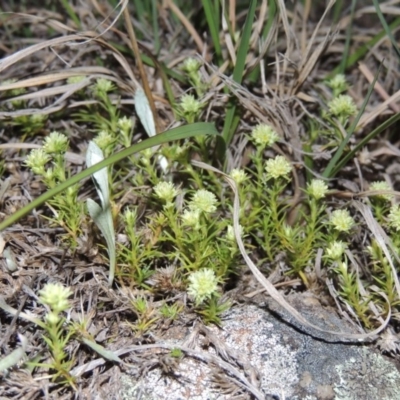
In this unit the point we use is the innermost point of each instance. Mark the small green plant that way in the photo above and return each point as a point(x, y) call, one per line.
point(57, 336)
point(146, 315)
point(191, 67)
point(59, 332)
point(104, 114)
point(381, 201)
point(204, 249)
point(348, 281)
point(135, 256)
point(189, 108)
point(13, 93)
point(49, 163)
point(382, 274)
point(211, 311)
point(352, 289)
point(172, 311)
point(28, 124)
point(350, 292)
point(112, 129)
point(263, 197)
point(176, 353)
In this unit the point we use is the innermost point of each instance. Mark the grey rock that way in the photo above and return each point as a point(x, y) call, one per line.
point(276, 355)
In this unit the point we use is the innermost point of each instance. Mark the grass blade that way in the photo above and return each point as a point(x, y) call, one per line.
point(156, 27)
point(332, 165)
point(394, 118)
point(230, 121)
point(349, 32)
point(272, 11)
point(140, 10)
point(386, 27)
point(182, 132)
point(254, 75)
point(337, 11)
point(148, 60)
point(212, 18)
point(360, 53)
point(70, 11)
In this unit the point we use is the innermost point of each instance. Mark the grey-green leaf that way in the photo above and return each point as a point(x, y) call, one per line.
point(15, 356)
point(107, 354)
point(103, 219)
point(144, 113)
point(93, 156)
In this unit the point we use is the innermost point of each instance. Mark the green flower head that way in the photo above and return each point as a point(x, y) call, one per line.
point(382, 186)
point(130, 217)
point(335, 250)
point(76, 79)
point(203, 201)
point(238, 175)
point(278, 167)
point(190, 105)
point(13, 92)
point(203, 285)
point(125, 124)
point(191, 65)
point(36, 161)
point(55, 143)
point(104, 139)
point(317, 188)
point(230, 234)
point(338, 84)
point(342, 220)
point(191, 218)
point(166, 191)
point(263, 135)
point(394, 217)
point(288, 232)
point(342, 106)
point(55, 296)
point(37, 120)
point(103, 86)
point(343, 268)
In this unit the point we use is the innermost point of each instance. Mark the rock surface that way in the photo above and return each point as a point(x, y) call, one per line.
point(275, 355)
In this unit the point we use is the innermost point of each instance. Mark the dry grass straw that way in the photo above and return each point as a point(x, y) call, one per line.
point(67, 90)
